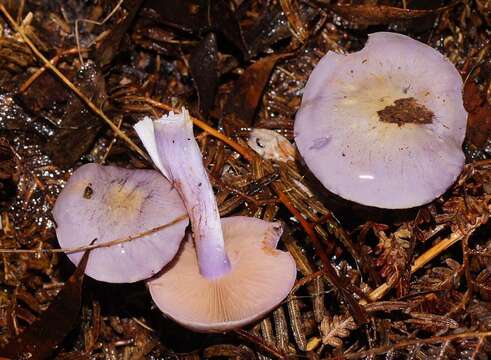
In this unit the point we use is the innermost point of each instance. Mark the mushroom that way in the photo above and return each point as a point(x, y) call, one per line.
point(384, 126)
point(106, 203)
point(232, 273)
point(270, 145)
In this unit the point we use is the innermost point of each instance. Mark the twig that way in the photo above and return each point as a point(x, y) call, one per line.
point(43, 68)
point(268, 349)
point(426, 257)
point(79, 93)
point(405, 343)
point(111, 144)
point(95, 246)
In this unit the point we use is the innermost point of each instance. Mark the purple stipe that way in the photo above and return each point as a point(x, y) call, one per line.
point(179, 155)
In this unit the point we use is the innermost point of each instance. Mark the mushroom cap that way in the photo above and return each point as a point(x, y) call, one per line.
point(261, 277)
point(271, 145)
point(382, 164)
point(109, 203)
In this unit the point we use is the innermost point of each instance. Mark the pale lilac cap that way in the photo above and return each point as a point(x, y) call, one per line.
point(377, 163)
point(109, 203)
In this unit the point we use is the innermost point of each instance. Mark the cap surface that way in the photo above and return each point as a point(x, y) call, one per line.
point(261, 277)
point(376, 163)
point(109, 203)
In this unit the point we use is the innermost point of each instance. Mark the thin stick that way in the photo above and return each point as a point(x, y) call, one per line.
point(421, 261)
point(405, 343)
point(111, 144)
point(269, 349)
point(43, 68)
point(95, 246)
point(58, 73)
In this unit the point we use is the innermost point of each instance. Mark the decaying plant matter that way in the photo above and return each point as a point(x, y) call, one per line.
point(75, 76)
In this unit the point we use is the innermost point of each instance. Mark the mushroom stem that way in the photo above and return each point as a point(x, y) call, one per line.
point(179, 159)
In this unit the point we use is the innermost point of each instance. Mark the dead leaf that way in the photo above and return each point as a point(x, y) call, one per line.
point(43, 337)
point(366, 15)
point(273, 25)
point(296, 24)
point(270, 145)
point(336, 328)
point(479, 120)
point(203, 65)
point(243, 101)
point(7, 162)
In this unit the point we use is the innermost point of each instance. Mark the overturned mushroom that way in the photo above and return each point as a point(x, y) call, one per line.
point(107, 203)
point(235, 275)
point(384, 126)
point(271, 145)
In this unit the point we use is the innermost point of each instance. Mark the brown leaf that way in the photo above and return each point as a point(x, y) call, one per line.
point(393, 253)
point(242, 102)
point(273, 25)
point(366, 15)
point(7, 162)
point(203, 65)
point(43, 337)
point(479, 120)
point(228, 351)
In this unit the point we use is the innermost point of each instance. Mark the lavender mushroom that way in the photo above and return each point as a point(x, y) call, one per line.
point(230, 277)
point(384, 126)
point(108, 203)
